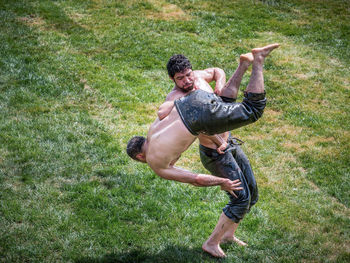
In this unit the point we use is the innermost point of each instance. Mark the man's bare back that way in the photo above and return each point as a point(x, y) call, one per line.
point(167, 139)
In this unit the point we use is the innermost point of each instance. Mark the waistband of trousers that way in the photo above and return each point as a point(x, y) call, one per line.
point(207, 150)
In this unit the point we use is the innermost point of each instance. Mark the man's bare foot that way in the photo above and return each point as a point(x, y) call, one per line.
point(214, 250)
point(233, 239)
point(246, 58)
point(262, 52)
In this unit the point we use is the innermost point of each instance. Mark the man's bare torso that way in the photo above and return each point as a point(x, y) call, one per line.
point(167, 140)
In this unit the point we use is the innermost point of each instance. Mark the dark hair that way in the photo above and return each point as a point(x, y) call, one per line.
point(134, 146)
point(177, 63)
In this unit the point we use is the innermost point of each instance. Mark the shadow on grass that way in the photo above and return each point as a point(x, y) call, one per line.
point(169, 254)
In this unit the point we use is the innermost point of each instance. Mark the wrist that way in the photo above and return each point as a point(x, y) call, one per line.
point(223, 181)
point(209, 180)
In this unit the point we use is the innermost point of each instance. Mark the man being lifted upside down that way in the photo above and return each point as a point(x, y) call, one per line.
point(203, 112)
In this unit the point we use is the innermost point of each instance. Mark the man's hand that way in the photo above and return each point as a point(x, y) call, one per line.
point(222, 148)
point(231, 186)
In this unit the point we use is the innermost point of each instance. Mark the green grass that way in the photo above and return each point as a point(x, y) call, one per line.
point(79, 78)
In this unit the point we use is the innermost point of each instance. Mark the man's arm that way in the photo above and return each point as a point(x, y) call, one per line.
point(219, 142)
point(214, 74)
point(204, 180)
point(165, 109)
point(168, 105)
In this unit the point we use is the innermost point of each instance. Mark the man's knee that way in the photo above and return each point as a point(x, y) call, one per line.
point(237, 211)
point(243, 199)
point(238, 207)
point(256, 108)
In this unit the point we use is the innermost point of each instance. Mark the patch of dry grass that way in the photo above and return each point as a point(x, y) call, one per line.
point(166, 11)
point(32, 21)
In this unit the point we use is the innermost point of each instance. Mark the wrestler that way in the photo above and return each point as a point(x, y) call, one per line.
point(187, 80)
point(202, 112)
point(235, 164)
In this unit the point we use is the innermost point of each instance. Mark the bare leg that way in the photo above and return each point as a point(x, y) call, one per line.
point(212, 245)
point(232, 86)
point(256, 82)
point(229, 236)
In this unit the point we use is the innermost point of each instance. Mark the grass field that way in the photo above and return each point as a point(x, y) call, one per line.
point(78, 78)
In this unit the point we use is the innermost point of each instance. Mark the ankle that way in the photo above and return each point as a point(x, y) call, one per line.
point(244, 65)
point(258, 60)
point(211, 243)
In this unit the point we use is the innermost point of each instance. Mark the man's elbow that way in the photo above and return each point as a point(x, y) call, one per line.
point(219, 73)
point(161, 173)
point(219, 70)
point(161, 114)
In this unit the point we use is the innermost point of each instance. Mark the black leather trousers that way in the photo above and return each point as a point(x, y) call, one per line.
point(233, 165)
point(204, 112)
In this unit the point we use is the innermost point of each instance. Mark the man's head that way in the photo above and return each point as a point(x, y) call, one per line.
point(134, 148)
point(180, 71)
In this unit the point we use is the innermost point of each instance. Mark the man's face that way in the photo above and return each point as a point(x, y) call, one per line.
point(184, 80)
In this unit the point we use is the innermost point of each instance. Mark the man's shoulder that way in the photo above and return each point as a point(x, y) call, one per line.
point(205, 74)
point(199, 73)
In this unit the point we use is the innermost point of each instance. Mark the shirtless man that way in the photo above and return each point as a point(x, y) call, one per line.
point(187, 81)
point(202, 112)
point(233, 164)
